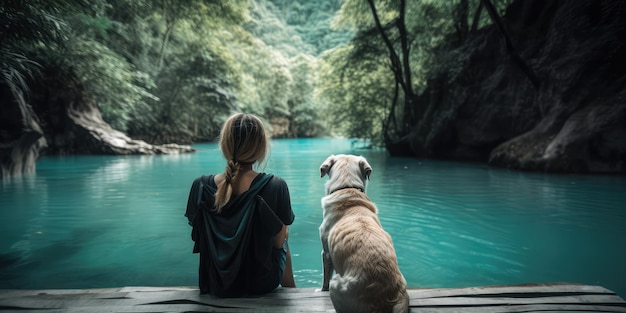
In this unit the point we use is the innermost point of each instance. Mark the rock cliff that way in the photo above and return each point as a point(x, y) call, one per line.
point(573, 120)
point(60, 122)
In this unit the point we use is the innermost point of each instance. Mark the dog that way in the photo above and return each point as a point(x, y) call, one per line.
point(354, 244)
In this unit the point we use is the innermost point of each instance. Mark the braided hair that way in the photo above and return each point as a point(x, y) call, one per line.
point(243, 141)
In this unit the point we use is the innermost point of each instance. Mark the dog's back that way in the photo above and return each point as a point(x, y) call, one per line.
point(368, 278)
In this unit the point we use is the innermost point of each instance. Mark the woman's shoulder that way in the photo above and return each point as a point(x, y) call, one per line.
point(276, 180)
point(277, 196)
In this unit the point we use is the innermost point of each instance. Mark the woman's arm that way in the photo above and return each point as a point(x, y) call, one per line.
point(288, 280)
point(281, 237)
point(280, 240)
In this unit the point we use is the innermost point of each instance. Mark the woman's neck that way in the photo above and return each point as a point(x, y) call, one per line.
point(245, 168)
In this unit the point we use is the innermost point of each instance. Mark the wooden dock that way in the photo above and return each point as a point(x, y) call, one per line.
point(555, 297)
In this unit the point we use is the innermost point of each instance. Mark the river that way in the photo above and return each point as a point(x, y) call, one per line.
point(112, 221)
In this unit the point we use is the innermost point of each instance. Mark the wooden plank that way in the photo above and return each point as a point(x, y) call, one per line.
point(523, 309)
point(519, 298)
point(559, 288)
point(9, 293)
point(567, 308)
point(171, 301)
point(484, 301)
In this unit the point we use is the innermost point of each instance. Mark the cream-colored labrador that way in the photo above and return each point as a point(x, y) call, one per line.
point(355, 245)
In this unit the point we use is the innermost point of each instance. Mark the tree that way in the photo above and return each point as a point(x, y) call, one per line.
point(506, 39)
point(354, 94)
point(305, 117)
point(181, 50)
point(406, 38)
point(159, 70)
point(25, 25)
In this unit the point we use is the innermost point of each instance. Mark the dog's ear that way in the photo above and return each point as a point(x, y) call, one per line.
point(366, 169)
point(325, 167)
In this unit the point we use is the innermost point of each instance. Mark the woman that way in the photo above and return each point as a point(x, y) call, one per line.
point(240, 218)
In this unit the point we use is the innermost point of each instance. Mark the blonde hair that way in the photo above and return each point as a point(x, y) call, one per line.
point(243, 141)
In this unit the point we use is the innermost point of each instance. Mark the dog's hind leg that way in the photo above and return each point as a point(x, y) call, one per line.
point(402, 306)
point(344, 296)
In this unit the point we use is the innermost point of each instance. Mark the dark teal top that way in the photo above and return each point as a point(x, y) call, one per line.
point(236, 245)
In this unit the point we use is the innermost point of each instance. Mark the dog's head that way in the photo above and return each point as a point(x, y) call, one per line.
point(345, 171)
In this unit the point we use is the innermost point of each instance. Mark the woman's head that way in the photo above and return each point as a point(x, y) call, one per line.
point(243, 139)
point(243, 142)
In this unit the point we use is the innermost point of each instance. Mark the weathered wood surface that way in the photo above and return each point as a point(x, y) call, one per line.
point(542, 298)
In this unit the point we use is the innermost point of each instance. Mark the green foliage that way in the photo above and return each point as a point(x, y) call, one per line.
point(24, 23)
point(15, 69)
point(166, 70)
point(195, 81)
point(311, 20)
point(356, 94)
point(268, 26)
point(109, 80)
point(305, 113)
point(432, 27)
point(277, 71)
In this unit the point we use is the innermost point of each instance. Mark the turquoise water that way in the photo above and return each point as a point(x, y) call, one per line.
point(102, 221)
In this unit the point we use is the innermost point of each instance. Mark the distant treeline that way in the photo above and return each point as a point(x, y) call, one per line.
point(169, 70)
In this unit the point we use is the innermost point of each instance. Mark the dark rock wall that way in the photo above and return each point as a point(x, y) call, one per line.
point(74, 125)
point(58, 120)
point(21, 137)
point(487, 109)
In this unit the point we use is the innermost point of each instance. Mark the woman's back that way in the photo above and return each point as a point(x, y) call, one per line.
point(240, 217)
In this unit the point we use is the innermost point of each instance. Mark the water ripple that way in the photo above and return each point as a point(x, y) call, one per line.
point(115, 221)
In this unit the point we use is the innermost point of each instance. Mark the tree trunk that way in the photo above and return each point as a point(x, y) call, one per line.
point(400, 68)
point(410, 104)
point(517, 59)
point(461, 13)
point(476, 20)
